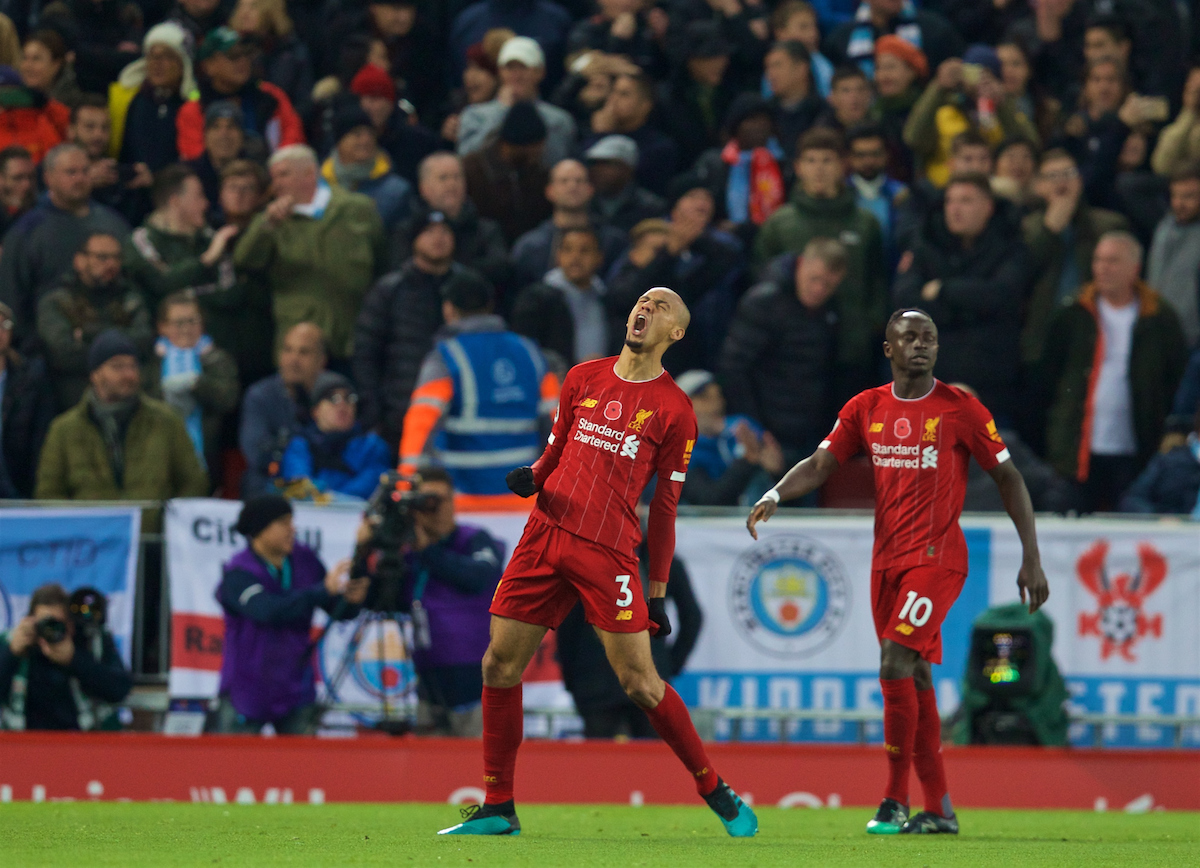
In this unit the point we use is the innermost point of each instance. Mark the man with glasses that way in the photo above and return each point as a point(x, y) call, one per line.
point(93, 297)
point(18, 185)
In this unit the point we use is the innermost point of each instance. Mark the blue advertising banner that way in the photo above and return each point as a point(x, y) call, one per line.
point(92, 546)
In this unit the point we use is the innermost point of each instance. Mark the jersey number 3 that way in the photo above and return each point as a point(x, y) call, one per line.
point(916, 609)
point(626, 595)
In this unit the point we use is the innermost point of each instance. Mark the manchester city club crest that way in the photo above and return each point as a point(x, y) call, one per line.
point(789, 595)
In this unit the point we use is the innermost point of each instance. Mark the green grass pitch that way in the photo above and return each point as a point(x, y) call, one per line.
point(82, 835)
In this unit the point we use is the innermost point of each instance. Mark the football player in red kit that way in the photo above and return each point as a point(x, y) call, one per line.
point(620, 421)
point(920, 434)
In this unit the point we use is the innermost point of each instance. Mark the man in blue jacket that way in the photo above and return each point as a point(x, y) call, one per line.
point(269, 592)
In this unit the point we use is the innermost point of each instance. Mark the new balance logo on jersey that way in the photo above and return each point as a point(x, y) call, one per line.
point(876, 428)
point(588, 403)
point(630, 449)
point(625, 615)
point(929, 458)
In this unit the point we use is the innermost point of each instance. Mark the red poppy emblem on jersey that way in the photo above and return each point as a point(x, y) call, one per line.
point(612, 411)
point(902, 429)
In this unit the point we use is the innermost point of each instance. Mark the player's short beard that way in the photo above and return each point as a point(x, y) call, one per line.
point(638, 345)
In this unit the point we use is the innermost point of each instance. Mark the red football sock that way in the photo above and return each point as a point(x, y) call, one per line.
point(899, 733)
point(503, 728)
point(671, 720)
point(927, 755)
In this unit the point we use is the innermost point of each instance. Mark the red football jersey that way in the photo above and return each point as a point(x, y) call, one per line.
point(610, 436)
point(920, 448)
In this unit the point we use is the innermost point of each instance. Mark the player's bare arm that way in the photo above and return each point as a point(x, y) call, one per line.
point(1031, 579)
point(806, 477)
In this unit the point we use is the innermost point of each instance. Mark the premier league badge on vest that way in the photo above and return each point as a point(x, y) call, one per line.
point(789, 597)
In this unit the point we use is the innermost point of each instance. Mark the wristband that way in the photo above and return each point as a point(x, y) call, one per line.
point(772, 495)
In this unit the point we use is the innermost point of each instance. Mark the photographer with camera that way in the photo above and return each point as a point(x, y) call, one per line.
point(450, 573)
point(269, 592)
point(58, 672)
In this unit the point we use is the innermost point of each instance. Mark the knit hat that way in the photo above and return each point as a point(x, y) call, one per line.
point(746, 105)
point(349, 117)
point(906, 51)
point(259, 513)
point(694, 382)
point(109, 343)
point(985, 56)
point(523, 125)
point(218, 41)
point(704, 39)
point(468, 293)
point(373, 81)
point(327, 383)
point(177, 39)
point(425, 218)
point(223, 108)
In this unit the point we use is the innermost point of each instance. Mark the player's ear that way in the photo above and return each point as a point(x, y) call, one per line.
point(677, 334)
point(887, 350)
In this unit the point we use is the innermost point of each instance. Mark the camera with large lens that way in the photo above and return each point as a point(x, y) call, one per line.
point(50, 628)
point(391, 512)
point(89, 612)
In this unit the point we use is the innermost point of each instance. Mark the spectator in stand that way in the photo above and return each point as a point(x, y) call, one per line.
point(628, 111)
point(734, 460)
point(794, 100)
point(40, 248)
point(697, 98)
point(47, 68)
point(522, 68)
point(1112, 362)
point(1179, 142)
point(145, 101)
point(744, 26)
point(480, 79)
point(407, 143)
point(332, 456)
point(619, 27)
point(702, 263)
point(1170, 484)
point(243, 192)
point(969, 152)
point(104, 38)
point(1016, 162)
point(196, 378)
point(94, 298)
point(26, 408)
point(569, 193)
point(796, 21)
point(198, 18)
point(1174, 268)
point(1029, 94)
point(965, 95)
point(849, 100)
point(823, 206)
point(317, 248)
point(507, 179)
point(565, 312)
point(478, 241)
point(618, 201)
point(1061, 238)
point(546, 22)
point(778, 365)
point(284, 58)
point(269, 591)
point(969, 270)
point(874, 190)
point(224, 141)
point(488, 393)
point(116, 443)
point(59, 685)
point(854, 41)
point(606, 709)
point(28, 117)
point(122, 188)
point(227, 72)
point(18, 185)
point(900, 73)
point(398, 320)
point(1187, 399)
point(359, 165)
point(274, 408)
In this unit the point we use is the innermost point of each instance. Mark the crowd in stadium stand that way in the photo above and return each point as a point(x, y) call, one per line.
point(234, 232)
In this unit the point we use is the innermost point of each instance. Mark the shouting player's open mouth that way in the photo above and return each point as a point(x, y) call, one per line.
point(640, 324)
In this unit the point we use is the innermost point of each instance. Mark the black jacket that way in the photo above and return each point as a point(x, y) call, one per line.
point(1169, 484)
point(395, 330)
point(49, 703)
point(25, 415)
point(628, 208)
point(478, 242)
point(777, 365)
point(978, 310)
point(540, 312)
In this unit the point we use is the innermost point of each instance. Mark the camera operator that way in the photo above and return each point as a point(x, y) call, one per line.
point(452, 572)
point(269, 591)
point(50, 681)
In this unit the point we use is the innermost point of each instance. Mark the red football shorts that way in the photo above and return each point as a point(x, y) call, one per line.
point(910, 603)
point(550, 569)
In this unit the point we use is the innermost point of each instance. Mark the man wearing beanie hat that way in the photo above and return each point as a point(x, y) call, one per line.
point(522, 68)
point(507, 178)
point(116, 443)
point(359, 165)
point(269, 591)
point(145, 100)
point(406, 143)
